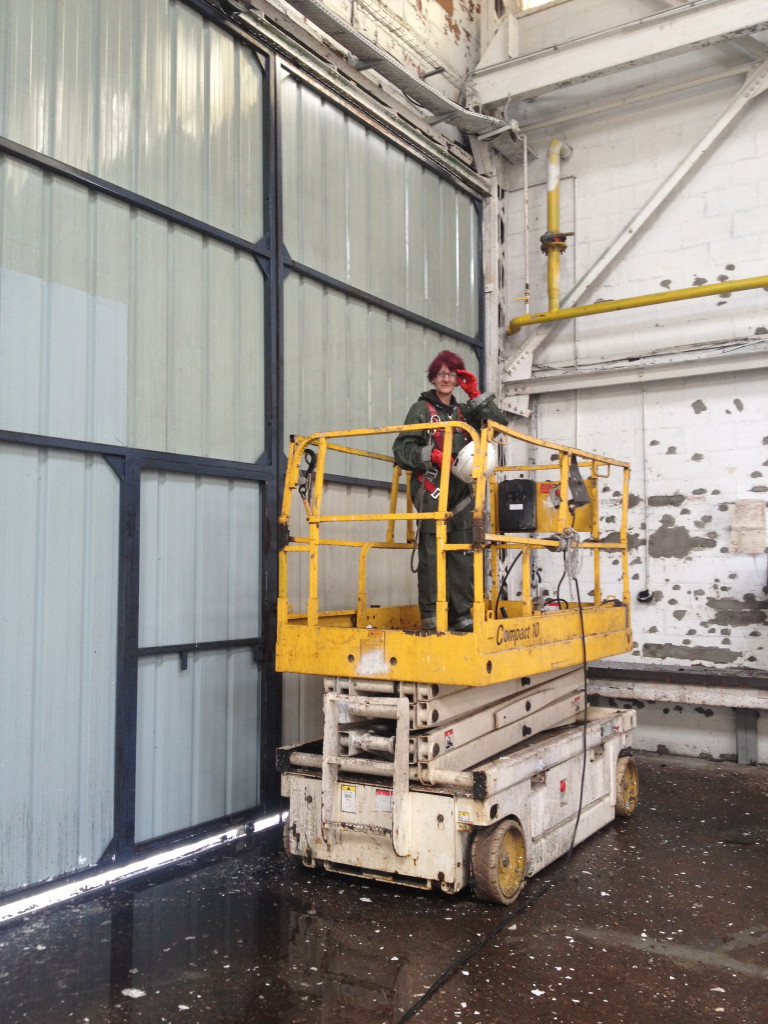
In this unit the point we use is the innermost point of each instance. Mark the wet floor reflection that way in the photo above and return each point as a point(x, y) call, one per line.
point(666, 910)
point(250, 938)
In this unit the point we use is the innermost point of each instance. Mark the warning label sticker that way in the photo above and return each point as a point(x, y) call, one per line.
point(382, 800)
point(349, 799)
point(449, 739)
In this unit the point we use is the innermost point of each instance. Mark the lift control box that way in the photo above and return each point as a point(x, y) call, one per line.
point(517, 506)
point(531, 506)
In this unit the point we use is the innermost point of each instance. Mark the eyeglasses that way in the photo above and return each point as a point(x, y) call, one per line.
point(448, 376)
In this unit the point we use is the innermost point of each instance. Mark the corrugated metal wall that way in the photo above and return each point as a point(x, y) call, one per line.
point(118, 328)
point(147, 95)
point(198, 721)
point(155, 330)
point(349, 364)
point(128, 328)
point(361, 211)
point(58, 608)
point(138, 350)
point(198, 734)
point(368, 214)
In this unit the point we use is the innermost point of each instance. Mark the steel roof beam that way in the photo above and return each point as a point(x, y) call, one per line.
point(640, 372)
point(649, 39)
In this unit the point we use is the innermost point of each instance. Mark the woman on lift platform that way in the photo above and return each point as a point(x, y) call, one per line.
point(422, 453)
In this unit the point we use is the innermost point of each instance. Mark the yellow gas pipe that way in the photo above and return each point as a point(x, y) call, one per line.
point(553, 242)
point(720, 288)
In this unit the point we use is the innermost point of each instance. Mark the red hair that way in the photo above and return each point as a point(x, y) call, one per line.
point(453, 361)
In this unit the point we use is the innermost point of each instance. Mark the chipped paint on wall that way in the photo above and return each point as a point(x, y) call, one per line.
point(731, 611)
point(690, 654)
point(673, 541)
point(656, 500)
point(437, 39)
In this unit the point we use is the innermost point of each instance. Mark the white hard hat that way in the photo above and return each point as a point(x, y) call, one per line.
point(462, 466)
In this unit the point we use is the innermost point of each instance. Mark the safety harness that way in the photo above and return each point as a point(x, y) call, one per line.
point(426, 480)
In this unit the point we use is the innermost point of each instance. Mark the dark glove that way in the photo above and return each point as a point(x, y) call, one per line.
point(468, 382)
point(436, 458)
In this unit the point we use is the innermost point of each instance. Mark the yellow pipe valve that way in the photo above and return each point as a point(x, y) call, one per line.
point(554, 241)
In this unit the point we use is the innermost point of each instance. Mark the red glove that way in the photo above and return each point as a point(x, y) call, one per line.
point(468, 382)
point(436, 458)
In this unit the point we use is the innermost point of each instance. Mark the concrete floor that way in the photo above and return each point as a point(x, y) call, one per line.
point(658, 919)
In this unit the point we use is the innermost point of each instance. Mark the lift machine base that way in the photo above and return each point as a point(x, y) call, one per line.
point(490, 827)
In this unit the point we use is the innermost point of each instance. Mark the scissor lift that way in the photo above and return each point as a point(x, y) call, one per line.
point(452, 757)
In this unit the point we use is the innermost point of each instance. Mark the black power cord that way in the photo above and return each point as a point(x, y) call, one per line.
point(544, 888)
point(449, 972)
point(503, 583)
point(584, 720)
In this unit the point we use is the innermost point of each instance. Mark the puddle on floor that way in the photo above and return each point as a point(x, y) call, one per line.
point(659, 918)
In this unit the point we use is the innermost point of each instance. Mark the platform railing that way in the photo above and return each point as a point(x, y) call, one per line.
point(310, 481)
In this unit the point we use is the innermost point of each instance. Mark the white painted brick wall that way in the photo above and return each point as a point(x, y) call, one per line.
point(692, 731)
point(704, 448)
point(714, 226)
point(702, 438)
point(716, 220)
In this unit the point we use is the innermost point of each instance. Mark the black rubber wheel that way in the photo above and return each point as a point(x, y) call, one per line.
point(498, 862)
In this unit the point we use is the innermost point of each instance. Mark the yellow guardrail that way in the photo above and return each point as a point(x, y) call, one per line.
point(559, 526)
